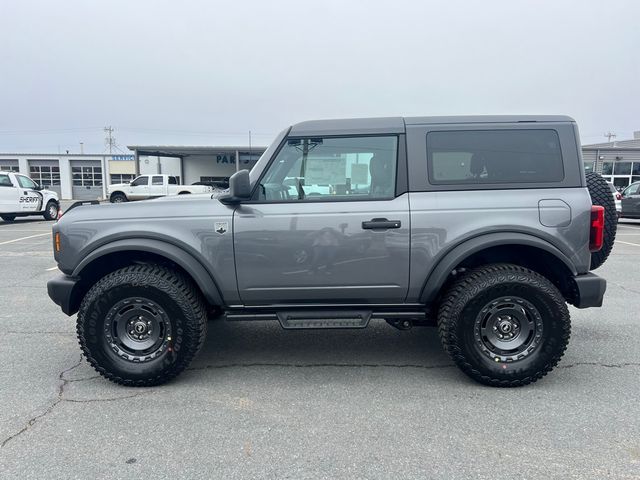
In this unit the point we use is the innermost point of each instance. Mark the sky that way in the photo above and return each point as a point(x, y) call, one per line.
point(193, 72)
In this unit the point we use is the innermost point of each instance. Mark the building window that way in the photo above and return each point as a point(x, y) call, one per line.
point(589, 166)
point(46, 176)
point(9, 168)
point(607, 168)
point(622, 168)
point(87, 176)
point(122, 177)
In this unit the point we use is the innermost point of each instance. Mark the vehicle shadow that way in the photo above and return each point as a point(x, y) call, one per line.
point(266, 343)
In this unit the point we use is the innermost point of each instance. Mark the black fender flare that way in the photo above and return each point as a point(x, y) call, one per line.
point(191, 265)
point(439, 274)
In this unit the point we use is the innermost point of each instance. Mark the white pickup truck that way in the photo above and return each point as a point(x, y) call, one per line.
point(20, 197)
point(151, 186)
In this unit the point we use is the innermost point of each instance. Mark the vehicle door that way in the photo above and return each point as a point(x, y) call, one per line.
point(29, 197)
point(8, 195)
point(631, 200)
point(139, 188)
point(328, 222)
point(157, 187)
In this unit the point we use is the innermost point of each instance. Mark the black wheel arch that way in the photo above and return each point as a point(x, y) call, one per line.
point(120, 253)
point(500, 247)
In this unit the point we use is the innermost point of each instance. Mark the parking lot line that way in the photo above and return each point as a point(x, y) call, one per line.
point(24, 238)
point(52, 269)
point(628, 243)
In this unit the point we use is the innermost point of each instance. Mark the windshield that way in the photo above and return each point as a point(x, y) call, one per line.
point(257, 169)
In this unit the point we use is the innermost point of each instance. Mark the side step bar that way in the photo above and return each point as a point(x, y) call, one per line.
point(331, 318)
point(327, 319)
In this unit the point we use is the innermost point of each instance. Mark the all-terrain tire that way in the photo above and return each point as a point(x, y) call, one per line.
point(601, 195)
point(463, 316)
point(51, 210)
point(8, 218)
point(162, 291)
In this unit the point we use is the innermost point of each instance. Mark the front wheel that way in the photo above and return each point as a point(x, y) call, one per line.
point(51, 211)
point(142, 325)
point(504, 325)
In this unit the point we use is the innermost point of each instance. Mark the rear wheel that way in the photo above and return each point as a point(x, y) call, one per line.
point(504, 325)
point(601, 195)
point(51, 211)
point(141, 325)
point(8, 218)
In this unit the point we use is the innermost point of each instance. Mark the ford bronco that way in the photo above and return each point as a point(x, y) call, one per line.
point(484, 226)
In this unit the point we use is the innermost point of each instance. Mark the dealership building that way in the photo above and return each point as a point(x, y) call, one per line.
point(618, 162)
point(86, 176)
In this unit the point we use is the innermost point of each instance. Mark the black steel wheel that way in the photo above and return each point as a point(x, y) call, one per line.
point(137, 329)
point(142, 325)
point(504, 325)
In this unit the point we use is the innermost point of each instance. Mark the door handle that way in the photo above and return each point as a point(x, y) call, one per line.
point(380, 224)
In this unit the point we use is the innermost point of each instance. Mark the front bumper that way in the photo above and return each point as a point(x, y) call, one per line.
point(590, 290)
point(62, 290)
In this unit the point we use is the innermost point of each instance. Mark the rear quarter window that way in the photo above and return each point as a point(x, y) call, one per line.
point(494, 157)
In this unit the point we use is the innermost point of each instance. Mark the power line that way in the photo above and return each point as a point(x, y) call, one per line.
point(610, 135)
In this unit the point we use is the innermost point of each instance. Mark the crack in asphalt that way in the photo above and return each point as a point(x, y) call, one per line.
point(60, 398)
point(33, 420)
point(599, 364)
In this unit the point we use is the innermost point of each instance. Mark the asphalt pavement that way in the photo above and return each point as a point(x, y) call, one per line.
point(261, 402)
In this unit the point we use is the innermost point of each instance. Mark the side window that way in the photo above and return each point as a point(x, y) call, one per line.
point(494, 156)
point(5, 181)
point(156, 180)
point(631, 190)
point(173, 181)
point(332, 168)
point(140, 181)
point(25, 182)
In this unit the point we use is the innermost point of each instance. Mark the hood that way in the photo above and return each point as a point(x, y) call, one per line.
point(174, 206)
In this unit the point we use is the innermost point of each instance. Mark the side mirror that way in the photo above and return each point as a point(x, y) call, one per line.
point(239, 188)
point(38, 187)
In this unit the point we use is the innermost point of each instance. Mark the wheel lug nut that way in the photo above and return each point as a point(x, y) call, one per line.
point(131, 332)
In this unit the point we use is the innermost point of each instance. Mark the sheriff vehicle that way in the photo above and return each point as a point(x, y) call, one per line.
point(20, 197)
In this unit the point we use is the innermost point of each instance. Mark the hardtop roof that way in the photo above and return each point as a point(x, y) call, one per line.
point(377, 125)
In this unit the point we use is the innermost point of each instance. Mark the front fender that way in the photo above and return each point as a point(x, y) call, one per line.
point(169, 251)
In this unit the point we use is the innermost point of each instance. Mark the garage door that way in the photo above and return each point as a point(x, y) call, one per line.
point(87, 179)
point(46, 173)
point(9, 166)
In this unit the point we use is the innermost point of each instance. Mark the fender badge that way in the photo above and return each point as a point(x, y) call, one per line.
point(221, 227)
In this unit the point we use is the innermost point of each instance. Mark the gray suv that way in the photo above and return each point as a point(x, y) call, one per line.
point(484, 226)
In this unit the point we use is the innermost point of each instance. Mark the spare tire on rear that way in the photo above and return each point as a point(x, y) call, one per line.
point(601, 195)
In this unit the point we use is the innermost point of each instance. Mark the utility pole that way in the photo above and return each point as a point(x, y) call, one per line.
point(609, 136)
point(109, 140)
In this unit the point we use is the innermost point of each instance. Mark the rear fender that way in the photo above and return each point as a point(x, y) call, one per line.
point(454, 257)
